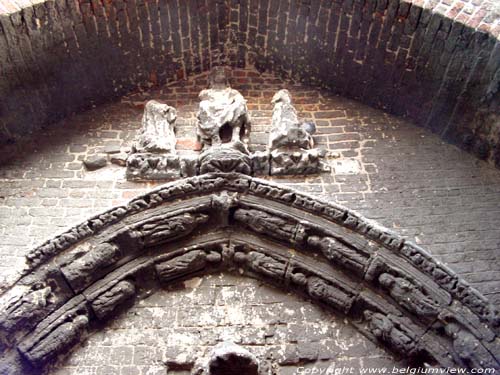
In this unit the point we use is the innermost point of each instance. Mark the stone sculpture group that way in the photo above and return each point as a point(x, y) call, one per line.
point(223, 129)
point(226, 220)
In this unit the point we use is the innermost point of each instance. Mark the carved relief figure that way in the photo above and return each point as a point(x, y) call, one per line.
point(263, 222)
point(222, 109)
point(28, 308)
point(408, 295)
point(287, 131)
point(262, 263)
point(388, 329)
point(340, 253)
point(321, 290)
point(158, 129)
point(86, 268)
point(469, 349)
point(163, 229)
point(291, 142)
point(186, 264)
point(63, 337)
point(108, 301)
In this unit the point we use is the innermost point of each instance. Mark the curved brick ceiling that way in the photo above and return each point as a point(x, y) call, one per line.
point(435, 62)
point(391, 290)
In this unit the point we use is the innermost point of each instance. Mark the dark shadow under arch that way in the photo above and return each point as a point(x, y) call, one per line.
point(391, 290)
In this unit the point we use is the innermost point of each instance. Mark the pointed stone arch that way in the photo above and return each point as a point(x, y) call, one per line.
point(391, 290)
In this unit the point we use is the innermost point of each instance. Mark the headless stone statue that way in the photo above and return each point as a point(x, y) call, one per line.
point(158, 129)
point(153, 155)
point(223, 114)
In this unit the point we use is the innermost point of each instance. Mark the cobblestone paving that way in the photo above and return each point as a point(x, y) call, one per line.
point(402, 176)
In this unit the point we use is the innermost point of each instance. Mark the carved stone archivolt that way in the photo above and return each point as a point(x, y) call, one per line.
point(223, 129)
point(390, 289)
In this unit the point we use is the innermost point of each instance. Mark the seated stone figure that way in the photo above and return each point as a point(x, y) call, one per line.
point(223, 114)
point(157, 134)
point(287, 131)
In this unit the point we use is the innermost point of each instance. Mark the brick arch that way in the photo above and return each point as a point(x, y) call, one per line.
point(391, 290)
point(435, 63)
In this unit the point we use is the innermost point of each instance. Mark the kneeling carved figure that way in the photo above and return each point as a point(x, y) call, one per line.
point(287, 130)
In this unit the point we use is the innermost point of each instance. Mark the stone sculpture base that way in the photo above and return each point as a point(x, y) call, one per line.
point(148, 166)
point(300, 162)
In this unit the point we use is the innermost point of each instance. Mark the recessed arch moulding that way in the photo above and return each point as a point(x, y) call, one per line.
point(391, 290)
point(435, 62)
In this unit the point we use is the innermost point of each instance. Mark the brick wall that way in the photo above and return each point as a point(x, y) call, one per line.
point(436, 62)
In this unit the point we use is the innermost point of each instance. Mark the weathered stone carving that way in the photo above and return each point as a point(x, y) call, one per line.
point(107, 302)
point(28, 309)
point(409, 296)
point(323, 291)
point(449, 281)
point(469, 349)
point(462, 315)
point(62, 338)
point(262, 222)
point(229, 359)
point(290, 141)
point(402, 287)
point(163, 229)
point(186, 264)
point(157, 134)
point(153, 155)
point(223, 114)
point(341, 253)
point(260, 163)
point(226, 159)
point(80, 272)
point(55, 335)
point(287, 131)
point(298, 162)
point(153, 167)
point(392, 331)
point(223, 128)
point(424, 299)
point(262, 264)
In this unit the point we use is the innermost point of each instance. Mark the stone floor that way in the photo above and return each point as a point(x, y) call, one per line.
point(402, 176)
